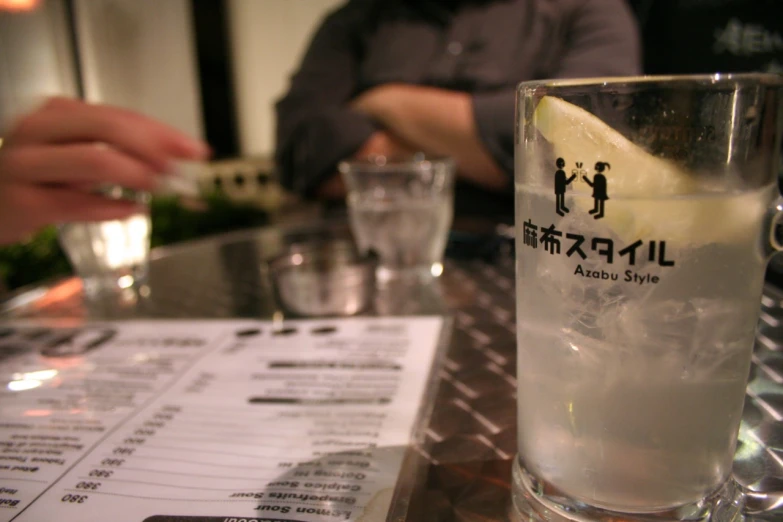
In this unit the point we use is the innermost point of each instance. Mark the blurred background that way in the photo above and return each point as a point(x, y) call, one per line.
point(215, 68)
point(212, 68)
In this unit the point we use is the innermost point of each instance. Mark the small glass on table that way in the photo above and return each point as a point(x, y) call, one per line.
point(401, 208)
point(111, 257)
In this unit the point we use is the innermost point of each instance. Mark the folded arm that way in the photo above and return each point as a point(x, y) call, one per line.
point(438, 122)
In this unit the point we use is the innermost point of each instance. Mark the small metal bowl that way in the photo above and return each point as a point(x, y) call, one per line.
point(325, 278)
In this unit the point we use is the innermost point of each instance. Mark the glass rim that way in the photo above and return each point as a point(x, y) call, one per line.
point(714, 79)
point(380, 162)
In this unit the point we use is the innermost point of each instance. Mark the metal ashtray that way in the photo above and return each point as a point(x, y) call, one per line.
point(323, 278)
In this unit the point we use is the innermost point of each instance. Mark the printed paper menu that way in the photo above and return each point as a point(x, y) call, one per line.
point(163, 421)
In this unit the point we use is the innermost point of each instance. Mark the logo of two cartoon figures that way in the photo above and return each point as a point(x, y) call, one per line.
point(598, 185)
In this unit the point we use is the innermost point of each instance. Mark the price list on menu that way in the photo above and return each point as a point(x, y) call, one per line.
point(164, 421)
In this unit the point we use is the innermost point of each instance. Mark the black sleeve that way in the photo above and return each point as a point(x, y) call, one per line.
point(315, 128)
point(603, 41)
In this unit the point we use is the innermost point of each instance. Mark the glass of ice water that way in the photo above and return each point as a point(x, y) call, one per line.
point(645, 217)
point(111, 257)
point(401, 208)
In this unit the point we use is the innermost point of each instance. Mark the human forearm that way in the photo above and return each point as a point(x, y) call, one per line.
point(438, 122)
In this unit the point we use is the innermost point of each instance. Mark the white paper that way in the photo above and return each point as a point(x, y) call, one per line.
point(217, 421)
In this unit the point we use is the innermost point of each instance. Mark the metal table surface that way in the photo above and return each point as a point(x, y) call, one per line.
point(460, 468)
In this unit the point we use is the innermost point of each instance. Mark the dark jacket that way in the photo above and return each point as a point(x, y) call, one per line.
point(482, 47)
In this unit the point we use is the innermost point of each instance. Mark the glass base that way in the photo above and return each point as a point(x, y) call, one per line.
point(407, 292)
point(536, 501)
point(412, 275)
point(115, 294)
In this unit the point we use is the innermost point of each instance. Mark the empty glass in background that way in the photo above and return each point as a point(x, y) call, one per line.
point(645, 217)
point(401, 208)
point(111, 257)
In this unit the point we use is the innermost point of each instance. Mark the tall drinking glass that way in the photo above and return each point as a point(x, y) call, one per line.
point(645, 218)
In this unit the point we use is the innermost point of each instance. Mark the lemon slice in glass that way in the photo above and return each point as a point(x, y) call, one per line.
point(650, 198)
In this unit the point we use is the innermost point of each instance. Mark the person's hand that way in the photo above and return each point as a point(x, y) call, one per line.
point(383, 143)
point(438, 122)
point(54, 158)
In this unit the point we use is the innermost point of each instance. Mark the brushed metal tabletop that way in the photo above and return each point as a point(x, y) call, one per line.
point(460, 469)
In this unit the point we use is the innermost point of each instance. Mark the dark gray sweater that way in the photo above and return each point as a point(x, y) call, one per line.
point(484, 47)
